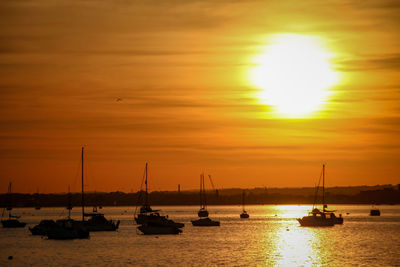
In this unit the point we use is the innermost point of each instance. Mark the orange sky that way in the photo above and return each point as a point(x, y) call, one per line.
point(181, 69)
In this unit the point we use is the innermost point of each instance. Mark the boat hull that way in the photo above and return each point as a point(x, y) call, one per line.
point(338, 220)
point(68, 229)
point(244, 215)
point(375, 213)
point(205, 222)
point(98, 223)
point(12, 224)
point(311, 221)
point(159, 230)
point(42, 227)
point(65, 234)
point(157, 220)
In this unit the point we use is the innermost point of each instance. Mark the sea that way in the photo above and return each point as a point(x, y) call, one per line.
point(270, 237)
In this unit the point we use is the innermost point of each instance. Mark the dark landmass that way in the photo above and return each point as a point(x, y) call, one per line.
point(380, 194)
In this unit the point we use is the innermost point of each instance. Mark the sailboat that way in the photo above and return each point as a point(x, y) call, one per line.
point(150, 221)
point(37, 200)
point(69, 228)
point(12, 221)
point(203, 212)
point(96, 221)
point(317, 217)
point(244, 214)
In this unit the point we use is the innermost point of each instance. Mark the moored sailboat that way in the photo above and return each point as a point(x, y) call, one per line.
point(244, 214)
point(317, 217)
point(203, 212)
point(37, 200)
point(150, 221)
point(69, 228)
point(96, 221)
point(12, 221)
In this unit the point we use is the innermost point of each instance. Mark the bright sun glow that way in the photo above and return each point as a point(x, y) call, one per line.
point(294, 75)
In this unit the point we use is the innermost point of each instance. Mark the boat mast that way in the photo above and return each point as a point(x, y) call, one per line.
point(9, 208)
point(146, 200)
point(83, 197)
point(243, 200)
point(201, 191)
point(204, 193)
point(323, 187)
point(69, 207)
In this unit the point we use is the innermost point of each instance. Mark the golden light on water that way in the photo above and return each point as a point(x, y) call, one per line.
point(292, 245)
point(296, 247)
point(294, 75)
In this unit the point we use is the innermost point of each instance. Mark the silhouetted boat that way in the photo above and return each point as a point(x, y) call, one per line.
point(244, 214)
point(203, 213)
point(42, 227)
point(97, 221)
point(317, 217)
point(150, 221)
point(150, 229)
point(375, 212)
point(37, 200)
point(205, 222)
point(69, 228)
point(12, 221)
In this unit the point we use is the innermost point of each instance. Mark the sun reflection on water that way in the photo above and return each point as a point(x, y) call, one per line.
point(286, 243)
point(296, 247)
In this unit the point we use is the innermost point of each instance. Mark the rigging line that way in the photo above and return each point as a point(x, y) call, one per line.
point(316, 190)
point(139, 198)
point(204, 190)
point(78, 168)
point(88, 178)
point(212, 184)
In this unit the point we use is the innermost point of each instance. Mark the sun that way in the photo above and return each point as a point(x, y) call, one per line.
point(294, 75)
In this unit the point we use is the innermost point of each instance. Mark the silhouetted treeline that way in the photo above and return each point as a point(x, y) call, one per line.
point(387, 194)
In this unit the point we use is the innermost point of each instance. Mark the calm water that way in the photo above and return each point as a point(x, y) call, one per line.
point(271, 237)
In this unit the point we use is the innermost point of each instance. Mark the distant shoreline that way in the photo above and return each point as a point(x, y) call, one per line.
point(386, 194)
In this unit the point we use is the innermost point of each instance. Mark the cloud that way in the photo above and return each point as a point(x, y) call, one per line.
point(382, 62)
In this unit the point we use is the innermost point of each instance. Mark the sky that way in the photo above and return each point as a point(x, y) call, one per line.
point(167, 82)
